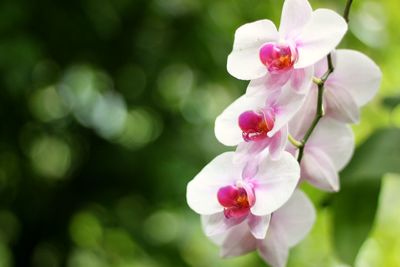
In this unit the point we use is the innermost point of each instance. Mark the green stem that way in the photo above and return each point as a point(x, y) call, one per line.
point(294, 142)
point(346, 12)
point(318, 115)
point(321, 84)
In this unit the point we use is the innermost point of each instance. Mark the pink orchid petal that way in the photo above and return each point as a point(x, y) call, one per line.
point(274, 183)
point(251, 197)
point(236, 212)
point(236, 200)
point(319, 36)
point(244, 62)
point(295, 14)
point(227, 195)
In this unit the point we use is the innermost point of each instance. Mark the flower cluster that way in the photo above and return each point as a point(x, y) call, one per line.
point(301, 90)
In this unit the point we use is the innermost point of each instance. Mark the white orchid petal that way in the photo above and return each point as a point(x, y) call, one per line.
point(268, 83)
point(216, 224)
point(278, 143)
point(335, 139)
point(244, 62)
point(340, 104)
point(295, 219)
point(202, 191)
point(318, 169)
point(273, 249)
point(259, 225)
point(295, 14)
point(275, 183)
point(356, 73)
point(301, 80)
point(238, 241)
point(248, 150)
point(319, 37)
point(286, 106)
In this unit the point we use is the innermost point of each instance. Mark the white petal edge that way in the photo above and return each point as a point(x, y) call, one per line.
point(357, 73)
point(319, 37)
point(295, 14)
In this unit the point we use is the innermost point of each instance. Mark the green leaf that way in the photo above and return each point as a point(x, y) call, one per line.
point(354, 207)
point(391, 102)
point(354, 212)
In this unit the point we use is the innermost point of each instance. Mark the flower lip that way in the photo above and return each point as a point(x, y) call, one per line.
point(277, 57)
point(236, 200)
point(256, 125)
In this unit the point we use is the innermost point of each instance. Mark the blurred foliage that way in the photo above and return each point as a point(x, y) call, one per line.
point(355, 205)
point(107, 111)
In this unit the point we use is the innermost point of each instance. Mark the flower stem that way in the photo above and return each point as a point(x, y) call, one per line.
point(294, 142)
point(346, 12)
point(321, 84)
point(318, 115)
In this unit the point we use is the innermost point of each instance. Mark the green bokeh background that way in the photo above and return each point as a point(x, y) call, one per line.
point(107, 111)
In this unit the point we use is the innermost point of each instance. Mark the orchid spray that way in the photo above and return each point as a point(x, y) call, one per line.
point(301, 96)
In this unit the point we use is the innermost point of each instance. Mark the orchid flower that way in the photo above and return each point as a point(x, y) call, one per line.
point(304, 37)
point(354, 82)
point(258, 122)
point(228, 193)
point(287, 227)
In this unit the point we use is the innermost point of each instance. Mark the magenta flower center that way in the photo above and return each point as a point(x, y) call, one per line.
point(235, 201)
point(277, 57)
point(256, 125)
